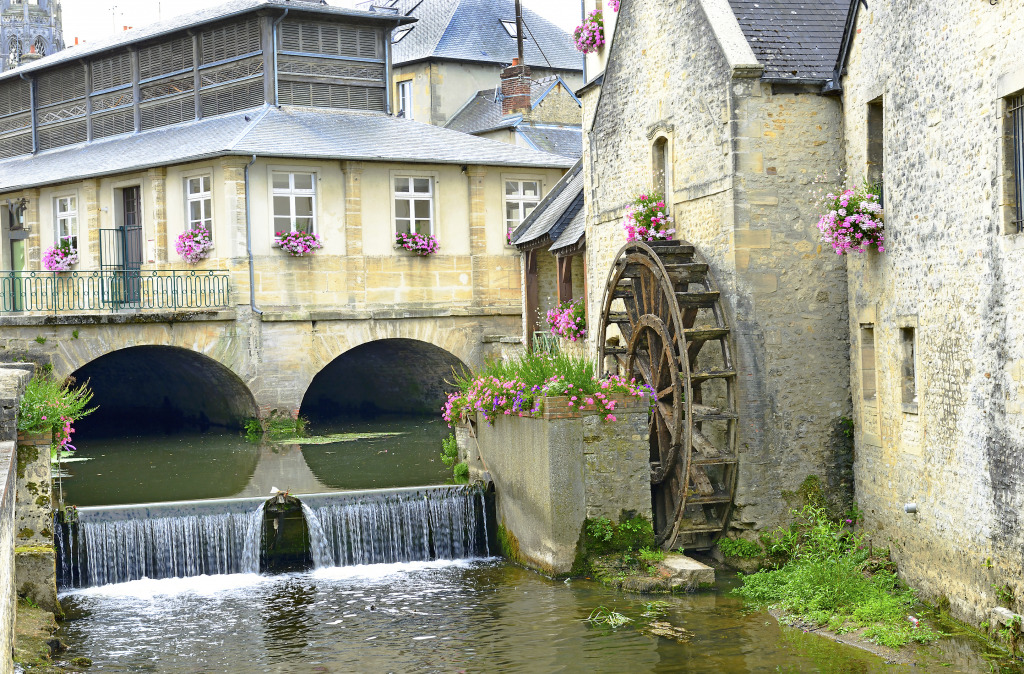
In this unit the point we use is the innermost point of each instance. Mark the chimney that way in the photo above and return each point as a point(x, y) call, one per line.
point(515, 89)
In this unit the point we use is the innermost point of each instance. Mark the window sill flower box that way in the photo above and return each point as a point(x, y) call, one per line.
point(61, 256)
point(298, 243)
point(417, 244)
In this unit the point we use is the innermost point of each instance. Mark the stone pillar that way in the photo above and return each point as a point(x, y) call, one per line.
point(34, 253)
point(234, 198)
point(355, 272)
point(158, 185)
point(478, 234)
point(89, 219)
point(35, 566)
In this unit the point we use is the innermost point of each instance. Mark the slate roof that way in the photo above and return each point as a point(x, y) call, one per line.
point(575, 231)
point(192, 20)
point(793, 39)
point(483, 113)
point(471, 30)
point(554, 213)
point(564, 140)
point(270, 132)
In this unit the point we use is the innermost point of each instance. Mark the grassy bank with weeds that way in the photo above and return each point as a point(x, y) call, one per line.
point(830, 577)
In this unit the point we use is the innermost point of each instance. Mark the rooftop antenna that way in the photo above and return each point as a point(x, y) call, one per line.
point(519, 31)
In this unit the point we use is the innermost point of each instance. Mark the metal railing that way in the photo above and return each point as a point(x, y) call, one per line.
point(110, 290)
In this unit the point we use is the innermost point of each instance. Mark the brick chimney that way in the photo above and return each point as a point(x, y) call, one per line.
point(515, 89)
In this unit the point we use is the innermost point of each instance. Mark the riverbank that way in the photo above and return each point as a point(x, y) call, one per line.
point(37, 649)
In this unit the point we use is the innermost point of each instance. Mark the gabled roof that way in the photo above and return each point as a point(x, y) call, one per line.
point(554, 213)
point(572, 235)
point(482, 113)
point(295, 132)
point(471, 30)
point(194, 19)
point(796, 40)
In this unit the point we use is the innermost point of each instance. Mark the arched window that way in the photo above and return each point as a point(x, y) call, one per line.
point(14, 52)
point(660, 167)
point(40, 46)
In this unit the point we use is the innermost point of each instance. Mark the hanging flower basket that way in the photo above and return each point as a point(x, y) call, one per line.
point(853, 221)
point(568, 320)
point(646, 219)
point(298, 243)
point(61, 255)
point(421, 244)
point(589, 36)
point(194, 245)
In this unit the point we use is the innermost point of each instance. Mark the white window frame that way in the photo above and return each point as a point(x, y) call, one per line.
point(411, 197)
point(405, 94)
point(400, 33)
point(292, 192)
point(207, 211)
point(505, 200)
point(69, 218)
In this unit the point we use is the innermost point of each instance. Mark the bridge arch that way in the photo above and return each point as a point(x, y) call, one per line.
point(163, 388)
point(384, 376)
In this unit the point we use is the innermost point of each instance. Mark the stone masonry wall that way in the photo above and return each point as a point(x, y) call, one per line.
point(952, 274)
point(743, 157)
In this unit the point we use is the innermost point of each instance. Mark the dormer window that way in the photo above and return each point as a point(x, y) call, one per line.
point(400, 33)
point(510, 28)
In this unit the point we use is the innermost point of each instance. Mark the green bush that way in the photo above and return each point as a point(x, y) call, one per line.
point(829, 579)
point(449, 450)
point(45, 401)
point(740, 547)
point(628, 536)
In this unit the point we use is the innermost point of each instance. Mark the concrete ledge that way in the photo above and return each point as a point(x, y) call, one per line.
point(687, 572)
point(119, 318)
point(35, 570)
point(286, 316)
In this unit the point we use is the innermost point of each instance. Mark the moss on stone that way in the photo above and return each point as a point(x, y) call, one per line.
point(33, 550)
point(26, 533)
point(27, 454)
point(32, 487)
point(43, 501)
point(509, 544)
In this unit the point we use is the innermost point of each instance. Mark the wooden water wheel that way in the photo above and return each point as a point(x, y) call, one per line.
point(662, 323)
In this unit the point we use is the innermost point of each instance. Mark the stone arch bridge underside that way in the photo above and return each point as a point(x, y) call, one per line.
point(276, 356)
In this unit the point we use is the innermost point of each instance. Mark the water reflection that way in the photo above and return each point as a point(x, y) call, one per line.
point(395, 452)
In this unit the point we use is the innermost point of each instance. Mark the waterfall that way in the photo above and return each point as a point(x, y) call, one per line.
point(102, 549)
point(399, 526)
point(319, 547)
point(190, 538)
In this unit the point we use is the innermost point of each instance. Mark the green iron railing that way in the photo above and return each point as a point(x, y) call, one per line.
point(112, 290)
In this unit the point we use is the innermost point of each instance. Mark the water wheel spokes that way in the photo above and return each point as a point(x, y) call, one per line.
point(662, 323)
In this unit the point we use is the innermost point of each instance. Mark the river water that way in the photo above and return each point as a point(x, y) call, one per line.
point(473, 616)
point(478, 615)
point(394, 452)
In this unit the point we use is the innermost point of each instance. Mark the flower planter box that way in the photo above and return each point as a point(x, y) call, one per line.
point(552, 473)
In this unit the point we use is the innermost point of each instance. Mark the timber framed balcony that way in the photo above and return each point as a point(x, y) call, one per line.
point(58, 292)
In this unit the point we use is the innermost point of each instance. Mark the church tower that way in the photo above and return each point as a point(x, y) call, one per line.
point(29, 30)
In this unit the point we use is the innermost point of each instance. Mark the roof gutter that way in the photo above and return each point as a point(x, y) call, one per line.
point(32, 110)
point(276, 103)
point(835, 85)
point(248, 242)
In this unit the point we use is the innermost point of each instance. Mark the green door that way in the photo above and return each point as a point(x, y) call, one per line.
point(17, 266)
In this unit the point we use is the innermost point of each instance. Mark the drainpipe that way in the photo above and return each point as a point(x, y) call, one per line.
point(274, 37)
point(32, 109)
point(248, 243)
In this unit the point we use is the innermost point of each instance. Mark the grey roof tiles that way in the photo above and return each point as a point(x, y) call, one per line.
point(270, 132)
point(554, 213)
point(471, 30)
point(793, 39)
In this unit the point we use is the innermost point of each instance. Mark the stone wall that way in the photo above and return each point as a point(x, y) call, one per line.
point(742, 157)
point(550, 474)
point(34, 556)
point(273, 357)
point(13, 379)
point(952, 274)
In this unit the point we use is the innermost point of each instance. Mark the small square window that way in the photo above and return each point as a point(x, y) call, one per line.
point(510, 28)
point(521, 198)
point(400, 33)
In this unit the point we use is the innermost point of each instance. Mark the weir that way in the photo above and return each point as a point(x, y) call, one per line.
point(118, 544)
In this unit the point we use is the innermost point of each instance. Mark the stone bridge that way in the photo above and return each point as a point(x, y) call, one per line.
point(220, 366)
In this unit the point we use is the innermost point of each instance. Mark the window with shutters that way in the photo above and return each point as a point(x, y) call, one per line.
point(199, 202)
point(111, 72)
point(229, 41)
point(294, 196)
point(65, 211)
point(165, 58)
point(414, 204)
point(332, 39)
